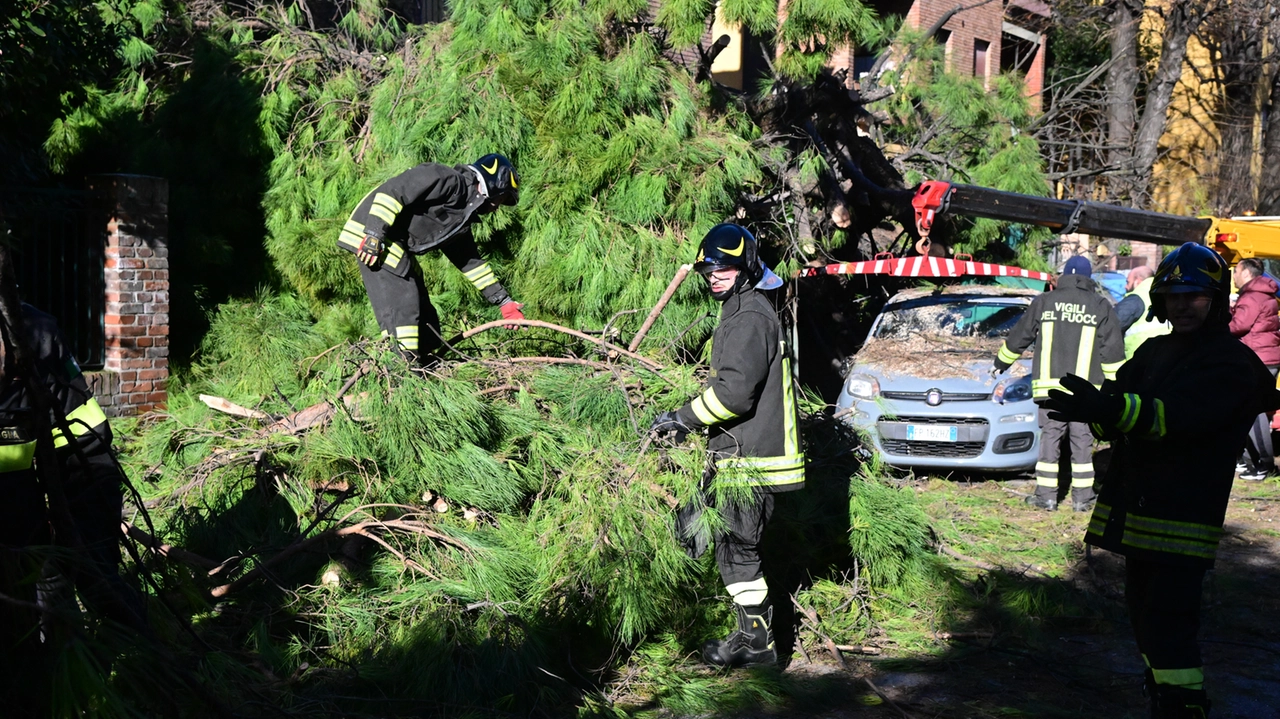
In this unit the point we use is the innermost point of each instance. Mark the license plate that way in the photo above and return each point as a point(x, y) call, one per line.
point(931, 433)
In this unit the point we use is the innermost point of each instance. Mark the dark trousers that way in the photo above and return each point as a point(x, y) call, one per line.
point(1164, 608)
point(403, 309)
point(1261, 455)
point(1052, 432)
point(738, 548)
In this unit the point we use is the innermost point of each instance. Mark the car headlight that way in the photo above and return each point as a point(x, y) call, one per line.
point(862, 386)
point(1012, 390)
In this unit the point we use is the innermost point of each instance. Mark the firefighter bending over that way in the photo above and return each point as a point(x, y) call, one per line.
point(427, 207)
point(749, 409)
point(1077, 332)
point(1176, 415)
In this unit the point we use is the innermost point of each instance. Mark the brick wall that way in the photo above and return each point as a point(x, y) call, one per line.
point(983, 22)
point(136, 322)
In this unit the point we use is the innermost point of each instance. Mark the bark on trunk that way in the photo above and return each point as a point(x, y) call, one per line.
point(1269, 183)
point(1182, 17)
point(1122, 92)
point(1237, 34)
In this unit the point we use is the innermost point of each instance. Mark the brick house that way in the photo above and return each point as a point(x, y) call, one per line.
point(982, 40)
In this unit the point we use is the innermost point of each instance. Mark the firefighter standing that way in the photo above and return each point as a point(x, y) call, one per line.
point(1176, 415)
point(754, 443)
point(1078, 333)
point(429, 206)
point(1134, 311)
point(83, 516)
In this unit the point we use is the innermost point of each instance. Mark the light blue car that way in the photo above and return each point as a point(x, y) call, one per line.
point(920, 385)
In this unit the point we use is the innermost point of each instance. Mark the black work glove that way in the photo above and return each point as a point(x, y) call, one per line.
point(670, 422)
point(998, 368)
point(1082, 402)
point(370, 251)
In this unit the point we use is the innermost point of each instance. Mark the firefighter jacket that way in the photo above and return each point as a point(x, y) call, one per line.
point(1189, 400)
point(420, 209)
point(749, 402)
point(89, 431)
point(1078, 334)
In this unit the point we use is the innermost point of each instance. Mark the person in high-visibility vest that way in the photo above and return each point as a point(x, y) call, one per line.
point(1078, 332)
point(1134, 311)
point(1176, 415)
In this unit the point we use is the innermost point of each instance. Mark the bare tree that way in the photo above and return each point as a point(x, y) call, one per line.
point(1269, 182)
point(1181, 18)
point(1122, 86)
point(1234, 36)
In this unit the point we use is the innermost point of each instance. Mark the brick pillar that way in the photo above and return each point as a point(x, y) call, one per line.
point(1035, 77)
point(136, 321)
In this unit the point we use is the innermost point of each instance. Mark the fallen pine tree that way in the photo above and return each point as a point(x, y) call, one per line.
point(487, 535)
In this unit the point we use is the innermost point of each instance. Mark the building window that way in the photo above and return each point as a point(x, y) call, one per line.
point(980, 48)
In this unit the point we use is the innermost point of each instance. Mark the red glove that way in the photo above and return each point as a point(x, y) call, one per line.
point(511, 311)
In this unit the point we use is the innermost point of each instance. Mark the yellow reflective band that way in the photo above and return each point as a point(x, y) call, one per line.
point(355, 228)
point(700, 411)
point(407, 331)
point(485, 281)
point(1132, 408)
point(1109, 369)
point(15, 457)
point(1190, 530)
point(791, 434)
point(82, 420)
point(749, 594)
point(388, 202)
point(1085, 467)
point(383, 213)
point(1157, 423)
point(1040, 387)
point(1047, 467)
point(1080, 482)
point(1169, 545)
point(716, 407)
point(1185, 678)
point(1006, 355)
point(1097, 525)
point(760, 471)
point(1084, 355)
point(1102, 510)
point(1046, 352)
point(481, 276)
point(478, 271)
point(351, 239)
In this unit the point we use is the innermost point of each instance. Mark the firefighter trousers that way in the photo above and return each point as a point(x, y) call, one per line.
point(738, 548)
point(403, 309)
point(1164, 609)
point(1052, 434)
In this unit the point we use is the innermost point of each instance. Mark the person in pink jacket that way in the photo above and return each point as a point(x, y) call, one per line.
point(1255, 321)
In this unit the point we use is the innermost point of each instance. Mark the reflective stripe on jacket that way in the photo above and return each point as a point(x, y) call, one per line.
point(1077, 331)
point(1187, 402)
point(749, 402)
point(425, 207)
point(1146, 327)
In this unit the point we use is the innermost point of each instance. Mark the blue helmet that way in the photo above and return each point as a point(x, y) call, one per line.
point(500, 178)
point(1192, 268)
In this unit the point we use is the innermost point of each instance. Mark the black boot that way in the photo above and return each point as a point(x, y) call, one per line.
point(1044, 498)
point(1083, 499)
point(750, 645)
point(1170, 702)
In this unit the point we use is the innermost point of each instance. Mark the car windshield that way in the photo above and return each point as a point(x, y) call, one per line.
point(944, 317)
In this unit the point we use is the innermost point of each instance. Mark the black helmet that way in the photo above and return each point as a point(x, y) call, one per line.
point(500, 178)
point(730, 245)
point(1192, 268)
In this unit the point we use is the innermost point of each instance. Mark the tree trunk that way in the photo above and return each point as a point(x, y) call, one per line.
point(1122, 91)
point(1237, 35)
point(1269, 183)
point(1182, 17)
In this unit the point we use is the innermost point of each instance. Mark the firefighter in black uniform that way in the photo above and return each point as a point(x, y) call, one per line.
point(1177, 415)
point(1079, 333)
point(429, 206)
point(91, 484)
point(754, 443)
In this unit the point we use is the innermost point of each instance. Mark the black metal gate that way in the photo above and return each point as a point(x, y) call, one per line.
point(59, 237)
